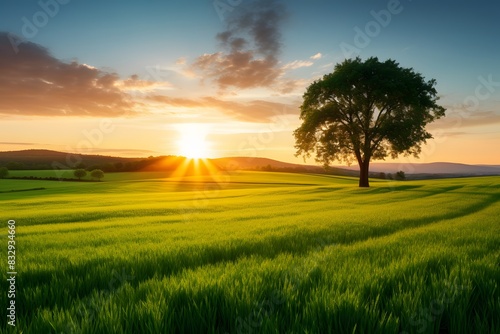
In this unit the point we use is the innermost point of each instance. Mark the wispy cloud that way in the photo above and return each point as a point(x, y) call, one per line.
point(133, 83)
point(329, 66)
point(125, 151)
point(181, 61)
point(297, 64)
point(20, 144)
point(257, 111)
point(317, 56)
point(456, 120)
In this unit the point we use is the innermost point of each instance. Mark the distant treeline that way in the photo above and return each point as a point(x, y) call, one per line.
point(151, 163)
point(50, 178)
point(53, 160)
point(167, 162)
point(306, 169)
point(399, 176)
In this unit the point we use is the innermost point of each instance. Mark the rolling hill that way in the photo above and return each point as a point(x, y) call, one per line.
point(440, 168)
point(47, 159)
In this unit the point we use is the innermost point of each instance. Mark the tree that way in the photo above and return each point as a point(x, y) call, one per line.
point(4, 172)
point(118, 166)
point(366, 110)
point(401, 176)
point(92, 167)
point(80, 165)
point(267, 168)
point(14, 165)
point(97, 174)
point(108, 167)
point(79, 173)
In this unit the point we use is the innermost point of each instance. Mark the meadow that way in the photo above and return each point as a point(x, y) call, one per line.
point(254, 252)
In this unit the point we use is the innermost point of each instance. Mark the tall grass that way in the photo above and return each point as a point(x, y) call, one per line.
point(256, 253)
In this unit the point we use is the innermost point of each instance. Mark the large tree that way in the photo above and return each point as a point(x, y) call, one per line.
point(366, 110)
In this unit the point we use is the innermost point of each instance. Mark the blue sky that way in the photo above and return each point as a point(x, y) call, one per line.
point(164, 42)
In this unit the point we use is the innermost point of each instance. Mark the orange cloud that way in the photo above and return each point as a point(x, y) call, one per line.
point(33, 82)
point(257, 111)
point(177, 102)
point(135, 84)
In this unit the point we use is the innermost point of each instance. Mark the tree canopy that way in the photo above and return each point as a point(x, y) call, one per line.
point(79, 173)
point(366, 110)
point(97, 174)
point(4, 172)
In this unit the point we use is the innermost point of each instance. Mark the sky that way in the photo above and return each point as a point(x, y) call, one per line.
point(226, 77)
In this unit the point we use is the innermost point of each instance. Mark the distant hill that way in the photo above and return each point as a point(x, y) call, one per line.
point(267, 164)
point(424, 170)
point(440, 168)
point(47, 159)
point(248, 162)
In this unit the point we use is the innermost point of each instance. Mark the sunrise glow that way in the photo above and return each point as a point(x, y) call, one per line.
point(144, 80)
point(193, 143)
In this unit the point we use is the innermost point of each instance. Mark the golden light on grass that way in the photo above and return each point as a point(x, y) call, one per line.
point(190, 168)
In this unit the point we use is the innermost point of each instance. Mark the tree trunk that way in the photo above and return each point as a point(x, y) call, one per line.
point(364, 167)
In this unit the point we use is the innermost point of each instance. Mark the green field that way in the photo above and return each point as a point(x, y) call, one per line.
point(254, 252)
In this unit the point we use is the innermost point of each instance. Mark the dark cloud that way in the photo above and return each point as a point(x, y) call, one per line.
point(33, 82)
point(251, 44)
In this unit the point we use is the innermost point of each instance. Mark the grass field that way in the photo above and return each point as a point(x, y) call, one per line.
point(254, 252)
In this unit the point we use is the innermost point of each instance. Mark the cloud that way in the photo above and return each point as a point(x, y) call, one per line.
point(297, 64)
point(133, 83)
point(317, 56)
point(181, 61)
point(21, 144)
point(291, 86)
point(257, 111)
point(251, 46)
point(33, 82)
point(177, 102)
point(168, 74)
point(329, 65)
point(125, 151)
point(251, 111)
point(455, 133)
point(461, 119)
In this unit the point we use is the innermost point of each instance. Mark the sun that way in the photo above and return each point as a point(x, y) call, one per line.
point(192, 142)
